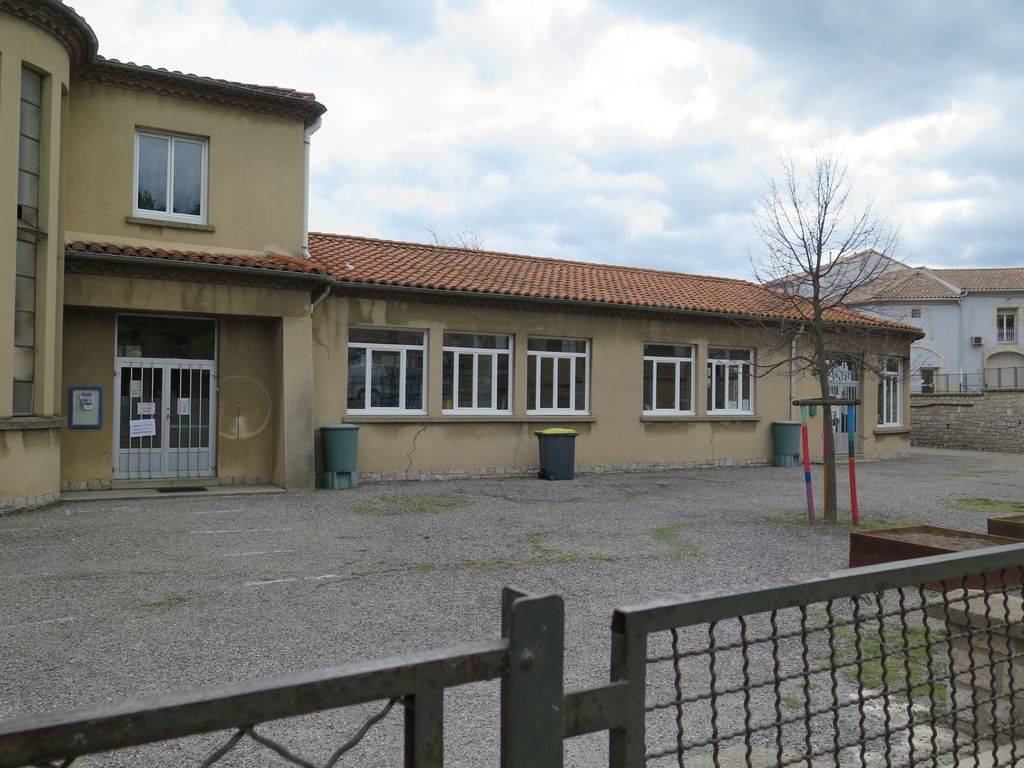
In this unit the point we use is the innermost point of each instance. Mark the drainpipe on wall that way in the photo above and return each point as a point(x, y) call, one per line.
point(307, 136)
point(323, 295)
point(961, 339)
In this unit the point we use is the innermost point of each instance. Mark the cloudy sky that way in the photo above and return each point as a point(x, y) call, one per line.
point(626, 131)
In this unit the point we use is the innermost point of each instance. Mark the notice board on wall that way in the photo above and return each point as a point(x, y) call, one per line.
point(85, 407)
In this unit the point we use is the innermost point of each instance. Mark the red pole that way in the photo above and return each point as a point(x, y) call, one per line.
point(851, 424)
point(807, 464)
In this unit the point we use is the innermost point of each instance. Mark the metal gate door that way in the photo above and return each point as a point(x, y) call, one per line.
point(165, 420)
point(844, 384)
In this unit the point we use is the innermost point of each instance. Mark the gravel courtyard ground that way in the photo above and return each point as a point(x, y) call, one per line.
point(102, 601)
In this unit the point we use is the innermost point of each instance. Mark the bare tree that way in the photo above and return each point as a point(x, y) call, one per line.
point(821, 252)
point(469, 239)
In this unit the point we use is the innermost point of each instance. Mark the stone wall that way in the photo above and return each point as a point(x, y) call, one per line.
point(979, 421)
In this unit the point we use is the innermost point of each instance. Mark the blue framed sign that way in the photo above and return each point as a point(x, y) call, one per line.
point(85, 407)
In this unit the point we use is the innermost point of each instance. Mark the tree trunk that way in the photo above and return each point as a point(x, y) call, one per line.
point(829, 457)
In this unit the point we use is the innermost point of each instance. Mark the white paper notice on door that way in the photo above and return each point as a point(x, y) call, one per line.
point(135, 389)
point(147, 409)
point(184, 406)
point(142, 427)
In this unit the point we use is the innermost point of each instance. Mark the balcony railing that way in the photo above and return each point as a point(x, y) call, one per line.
point(988, 379)
point(1006, 335)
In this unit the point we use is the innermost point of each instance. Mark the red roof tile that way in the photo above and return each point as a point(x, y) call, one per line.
point(999, 279)
point(368, 261)
point(910, 283)
point(274, 262)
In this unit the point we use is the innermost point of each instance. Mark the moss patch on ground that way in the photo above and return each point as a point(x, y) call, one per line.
point(678, 546)
point(991, 506)
point(842, 526)
point(901, 654)
point(165, 602)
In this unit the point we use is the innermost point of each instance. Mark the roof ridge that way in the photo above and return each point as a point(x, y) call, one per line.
point(543, 259)
point(975, 269)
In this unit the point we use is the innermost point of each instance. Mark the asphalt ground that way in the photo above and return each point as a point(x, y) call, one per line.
point(103, 601)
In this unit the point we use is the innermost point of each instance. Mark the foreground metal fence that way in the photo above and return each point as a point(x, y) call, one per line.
point(913, 663)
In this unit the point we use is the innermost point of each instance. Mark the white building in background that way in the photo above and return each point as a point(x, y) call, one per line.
point(971, 319)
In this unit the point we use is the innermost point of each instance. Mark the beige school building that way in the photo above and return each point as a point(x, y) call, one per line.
point(166, 318)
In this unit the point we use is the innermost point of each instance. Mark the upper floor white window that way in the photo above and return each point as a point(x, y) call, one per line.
point(385, 370)
point(476, 372)
point(170, 177)
point(557, 375)
point(915, 312)
point(29, 146)
point(668, 378)
point(730, 380)
point(1006, 326)
point(890, 392)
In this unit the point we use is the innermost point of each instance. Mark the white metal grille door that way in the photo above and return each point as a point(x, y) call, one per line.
point(166, 412)
point(844, 384)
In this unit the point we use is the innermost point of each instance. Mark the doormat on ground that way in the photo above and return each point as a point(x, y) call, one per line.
point(187, 489)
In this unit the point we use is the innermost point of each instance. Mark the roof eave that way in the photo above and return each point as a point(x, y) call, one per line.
point(268, 272)
point(734, 316)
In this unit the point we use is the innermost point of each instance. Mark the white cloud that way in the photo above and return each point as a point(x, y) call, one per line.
point(545, 121)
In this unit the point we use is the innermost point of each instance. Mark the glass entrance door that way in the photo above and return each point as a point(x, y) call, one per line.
point(166, 419)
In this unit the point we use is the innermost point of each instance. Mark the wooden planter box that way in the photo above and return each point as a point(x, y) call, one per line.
point(886, 545)
point(1011, 527)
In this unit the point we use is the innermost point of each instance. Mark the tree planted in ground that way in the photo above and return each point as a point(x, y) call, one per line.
point(820, 253)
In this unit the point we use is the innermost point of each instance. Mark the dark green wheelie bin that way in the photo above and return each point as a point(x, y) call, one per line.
point(340, 443)
point(786, 437)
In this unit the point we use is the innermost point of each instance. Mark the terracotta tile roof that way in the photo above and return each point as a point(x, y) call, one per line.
point(912, 283)
point(272, 262)
point(367, 261)
point(1005, 279)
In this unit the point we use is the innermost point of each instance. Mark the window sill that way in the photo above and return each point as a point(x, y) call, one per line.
point(895, 429)
point(31, 422)
point(471, 419)
point(148, 222)
point(709, 417)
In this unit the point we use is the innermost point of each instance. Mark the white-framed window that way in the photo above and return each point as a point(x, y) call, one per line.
point(557, 375)
point(928, 380)
point(170, 177)
point(386, 370)
point(668, 378)
point(476, 371)
point(730, 380)
point(890, 392)
point(1006, 326)
point(26, 245)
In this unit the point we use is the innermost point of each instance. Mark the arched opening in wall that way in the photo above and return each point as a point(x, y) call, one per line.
point(926, 374)
point(1004, 370)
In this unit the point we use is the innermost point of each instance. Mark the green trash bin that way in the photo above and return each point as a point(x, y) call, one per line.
point(340, 443)
point(786, 437)
point(557, 453)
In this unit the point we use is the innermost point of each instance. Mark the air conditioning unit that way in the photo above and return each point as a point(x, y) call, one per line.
point(977, 341)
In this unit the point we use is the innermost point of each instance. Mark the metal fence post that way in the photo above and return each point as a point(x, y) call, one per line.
point(531, 691)
point(424, 727)
point(627, 745)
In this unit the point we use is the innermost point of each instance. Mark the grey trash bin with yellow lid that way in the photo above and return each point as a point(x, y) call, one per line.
point(557, 453)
